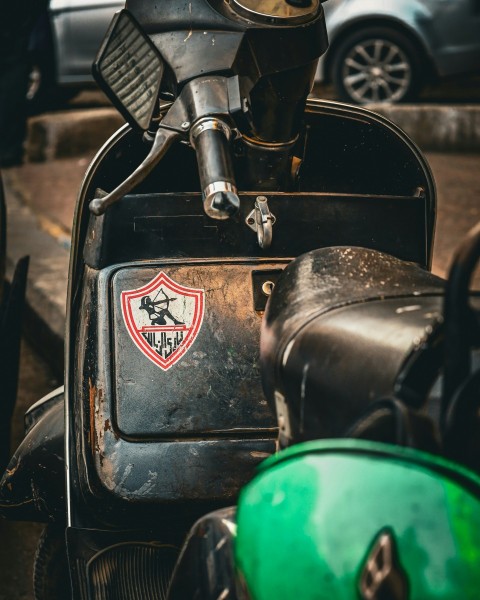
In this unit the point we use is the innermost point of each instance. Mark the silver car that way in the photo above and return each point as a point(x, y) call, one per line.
point(63, 46)
point(385, 50)
point(380, 50)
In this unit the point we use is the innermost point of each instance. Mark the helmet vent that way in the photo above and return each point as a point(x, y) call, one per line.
point(382, 577)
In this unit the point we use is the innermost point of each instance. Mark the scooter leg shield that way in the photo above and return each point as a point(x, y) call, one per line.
point(32, 487)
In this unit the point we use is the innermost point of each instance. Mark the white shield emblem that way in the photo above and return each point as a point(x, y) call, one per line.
point(163, 318)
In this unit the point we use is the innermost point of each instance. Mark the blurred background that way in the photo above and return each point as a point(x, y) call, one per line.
point(379, 51)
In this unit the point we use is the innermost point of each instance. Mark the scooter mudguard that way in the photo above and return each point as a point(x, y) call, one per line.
point(355, 519)
point(32, 488)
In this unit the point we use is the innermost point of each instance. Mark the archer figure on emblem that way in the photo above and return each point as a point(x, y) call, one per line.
point(157, 315)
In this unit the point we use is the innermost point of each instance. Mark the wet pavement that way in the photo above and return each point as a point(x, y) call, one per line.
point(50, 190)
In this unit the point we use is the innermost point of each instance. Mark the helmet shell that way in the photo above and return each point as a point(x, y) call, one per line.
point(309, 520)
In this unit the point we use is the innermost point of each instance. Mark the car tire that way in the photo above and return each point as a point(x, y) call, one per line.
point(40, 81)
point(42, 92)
point(377, 64)
point(51, 579)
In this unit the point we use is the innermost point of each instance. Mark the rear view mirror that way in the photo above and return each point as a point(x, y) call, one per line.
point(129, 69)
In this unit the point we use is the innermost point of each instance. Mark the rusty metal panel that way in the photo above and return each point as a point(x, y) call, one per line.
point(195, 431)
point(215, 386)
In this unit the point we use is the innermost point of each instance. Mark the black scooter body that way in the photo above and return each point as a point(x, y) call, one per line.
point(174, 412)
point(389, 214)
point(153, 443)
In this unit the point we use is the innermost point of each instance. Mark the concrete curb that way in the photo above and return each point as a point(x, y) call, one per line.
point(442, 128)
point(44, 319)
point(453, 128)
point(72, 133)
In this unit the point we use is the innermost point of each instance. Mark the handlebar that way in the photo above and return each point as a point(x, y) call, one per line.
point(194, 114)
point(210, 137)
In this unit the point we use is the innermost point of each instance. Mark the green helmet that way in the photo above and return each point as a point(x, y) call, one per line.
point(348, 519)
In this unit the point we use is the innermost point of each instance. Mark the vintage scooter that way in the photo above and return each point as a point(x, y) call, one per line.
point(171, 268)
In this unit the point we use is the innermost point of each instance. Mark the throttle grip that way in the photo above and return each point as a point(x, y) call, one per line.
point(210, 138)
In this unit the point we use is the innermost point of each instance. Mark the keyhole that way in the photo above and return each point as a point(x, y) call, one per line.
point(267, 288)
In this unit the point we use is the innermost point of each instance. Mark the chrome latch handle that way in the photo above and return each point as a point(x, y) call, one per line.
point(261, 220)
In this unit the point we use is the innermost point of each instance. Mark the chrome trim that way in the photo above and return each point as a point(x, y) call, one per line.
point(218, 186)
point(209, 124)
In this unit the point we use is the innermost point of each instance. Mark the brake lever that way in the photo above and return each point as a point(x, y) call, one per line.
point(164, 138)
point(197, 115)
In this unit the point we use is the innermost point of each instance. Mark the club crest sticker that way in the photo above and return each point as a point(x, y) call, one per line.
point(163, 318)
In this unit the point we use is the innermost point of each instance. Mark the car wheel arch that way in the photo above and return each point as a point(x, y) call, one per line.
point(352, 27)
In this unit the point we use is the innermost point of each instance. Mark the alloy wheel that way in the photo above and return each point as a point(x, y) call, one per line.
point(376, 70)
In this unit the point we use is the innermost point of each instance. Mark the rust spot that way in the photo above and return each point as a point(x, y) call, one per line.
point(92, 395)
point(255, 454)
point(11, 472)
point(108, 427)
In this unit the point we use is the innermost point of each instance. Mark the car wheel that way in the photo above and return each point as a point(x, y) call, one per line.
point(51, 579)
point(377, 64)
